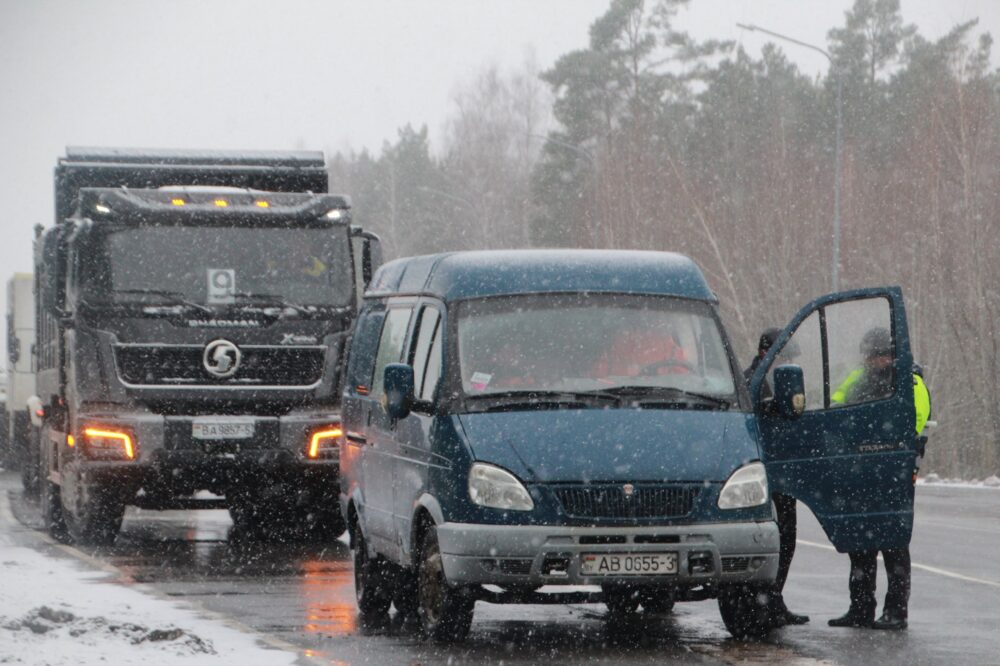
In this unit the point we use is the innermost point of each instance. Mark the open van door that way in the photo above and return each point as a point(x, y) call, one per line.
point(849, 459)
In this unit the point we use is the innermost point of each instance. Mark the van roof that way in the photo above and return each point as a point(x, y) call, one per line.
point(460, 275)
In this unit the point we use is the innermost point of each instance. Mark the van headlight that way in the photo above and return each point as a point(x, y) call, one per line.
point(498, 489)
point(746, 487)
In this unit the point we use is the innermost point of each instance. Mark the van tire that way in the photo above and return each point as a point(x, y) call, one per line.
point(745, 611)
point(372, 580)
point(445, 611)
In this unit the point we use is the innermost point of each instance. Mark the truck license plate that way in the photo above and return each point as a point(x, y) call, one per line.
point(222, 430)
point(628, 564)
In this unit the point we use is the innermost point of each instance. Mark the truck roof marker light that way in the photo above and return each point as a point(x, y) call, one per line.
point(123, 438)
point(260, 203)
point(335, 214)
point(178, 202)
point(101, 208)
point(321, 436)
point(221, 203)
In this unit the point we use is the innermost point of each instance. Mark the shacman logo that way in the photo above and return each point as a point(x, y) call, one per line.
point(221, 358)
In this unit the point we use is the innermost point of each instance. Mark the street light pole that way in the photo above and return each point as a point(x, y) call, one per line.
point(838, 150)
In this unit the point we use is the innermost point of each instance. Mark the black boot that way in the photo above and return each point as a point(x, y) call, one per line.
point(853, 618)
point(890, 621)
point(795, 618)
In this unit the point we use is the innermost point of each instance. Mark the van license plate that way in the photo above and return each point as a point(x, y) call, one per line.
point(628, 564)
point(222, 430)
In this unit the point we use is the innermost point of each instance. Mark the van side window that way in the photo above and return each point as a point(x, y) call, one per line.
point(390, 345)
point(366, 334)
point(429, 317)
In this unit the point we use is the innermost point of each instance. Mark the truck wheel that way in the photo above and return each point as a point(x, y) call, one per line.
point(28, 455)
point(96, 521)
point(621, 600)
point(658, 601)
point(744, 611)
point(445, 611)
point(323, 525)
point(52, 514)
point(372, 581)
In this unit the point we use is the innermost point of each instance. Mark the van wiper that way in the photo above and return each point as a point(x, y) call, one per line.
point(648, 396)
point(541, 399)
point(273, 300)
point(176, 298)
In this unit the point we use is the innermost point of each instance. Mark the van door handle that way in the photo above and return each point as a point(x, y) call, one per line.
point(355, 438)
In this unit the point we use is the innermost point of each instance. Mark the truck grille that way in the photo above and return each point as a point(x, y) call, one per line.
point(181, 365)
point(611, 501)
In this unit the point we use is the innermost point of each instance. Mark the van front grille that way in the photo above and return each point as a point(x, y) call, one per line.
point(613, 501)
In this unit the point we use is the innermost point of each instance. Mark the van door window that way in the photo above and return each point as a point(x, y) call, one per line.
point(846, 353)
point(426, 326)
point(805, 349)
point(861, 351)
point(433, 370)
point(390, 346)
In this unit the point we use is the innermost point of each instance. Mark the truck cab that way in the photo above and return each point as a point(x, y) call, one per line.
point(525, 419)
point(190, 339)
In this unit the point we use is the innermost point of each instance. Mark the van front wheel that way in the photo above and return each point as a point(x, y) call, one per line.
point(445, 611)
point(744, 611)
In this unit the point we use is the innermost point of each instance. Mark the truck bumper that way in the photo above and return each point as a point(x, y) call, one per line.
point(707, 553)
point(171, 460)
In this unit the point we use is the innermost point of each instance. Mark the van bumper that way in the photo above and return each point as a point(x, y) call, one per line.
point(707, 553)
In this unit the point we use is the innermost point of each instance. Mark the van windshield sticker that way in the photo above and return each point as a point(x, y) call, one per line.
point(480, 380)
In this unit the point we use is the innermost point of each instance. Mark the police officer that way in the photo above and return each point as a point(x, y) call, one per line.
point(784, 505)
point(871, 382)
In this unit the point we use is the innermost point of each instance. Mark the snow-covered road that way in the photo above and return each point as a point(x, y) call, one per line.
point(55, 610)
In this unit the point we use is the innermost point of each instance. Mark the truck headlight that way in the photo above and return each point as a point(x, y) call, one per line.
point(746, 487)
point(324, 443)
point(108, 443)
point(498, 489)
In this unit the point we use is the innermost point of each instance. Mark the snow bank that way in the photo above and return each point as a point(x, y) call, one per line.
point(54, 612)
point(935, 479)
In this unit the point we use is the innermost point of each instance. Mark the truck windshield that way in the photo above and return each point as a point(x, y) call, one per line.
point(219, 265)
point(646, 346)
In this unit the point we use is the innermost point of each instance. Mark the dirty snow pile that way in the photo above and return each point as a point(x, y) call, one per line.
point(53, 612)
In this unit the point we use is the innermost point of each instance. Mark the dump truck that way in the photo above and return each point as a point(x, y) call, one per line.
point(192, 313)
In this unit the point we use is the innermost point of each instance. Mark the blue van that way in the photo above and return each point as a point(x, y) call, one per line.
point(518, 420)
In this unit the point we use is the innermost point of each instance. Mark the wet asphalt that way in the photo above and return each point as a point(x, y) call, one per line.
point(300, 596)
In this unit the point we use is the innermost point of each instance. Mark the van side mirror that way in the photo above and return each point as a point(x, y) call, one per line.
point(789, 391)
point(398, 383)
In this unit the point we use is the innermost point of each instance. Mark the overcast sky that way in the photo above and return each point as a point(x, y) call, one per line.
point(317, 74)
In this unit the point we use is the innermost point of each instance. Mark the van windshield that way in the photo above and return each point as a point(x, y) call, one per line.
point(591, 343)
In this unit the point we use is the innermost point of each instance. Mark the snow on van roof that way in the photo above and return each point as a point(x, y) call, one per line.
point(459, 275)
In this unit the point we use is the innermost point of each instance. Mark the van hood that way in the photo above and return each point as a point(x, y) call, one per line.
point(594, 445)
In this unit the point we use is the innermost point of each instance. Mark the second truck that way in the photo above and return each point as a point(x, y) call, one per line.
point(193, 310)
